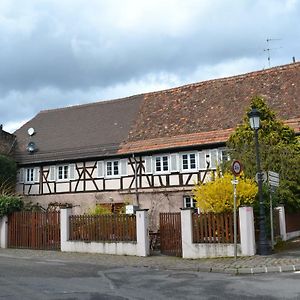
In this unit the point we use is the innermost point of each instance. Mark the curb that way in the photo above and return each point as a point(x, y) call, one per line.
point(257, 270)
point(237, 271)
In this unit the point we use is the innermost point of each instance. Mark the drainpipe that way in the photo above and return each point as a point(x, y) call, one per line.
point(136, 181)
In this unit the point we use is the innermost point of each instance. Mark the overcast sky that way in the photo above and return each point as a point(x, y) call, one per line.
point(56, 53)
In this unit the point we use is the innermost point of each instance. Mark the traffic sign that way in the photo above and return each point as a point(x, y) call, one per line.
point(264, 176)
point(273, 179)
point(236, 168)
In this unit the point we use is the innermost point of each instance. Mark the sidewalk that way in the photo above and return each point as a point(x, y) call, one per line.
point(286, 260)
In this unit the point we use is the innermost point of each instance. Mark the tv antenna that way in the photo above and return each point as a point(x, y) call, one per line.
point(268, 49)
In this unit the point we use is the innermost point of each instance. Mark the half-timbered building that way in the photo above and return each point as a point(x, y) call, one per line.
point(149, 149)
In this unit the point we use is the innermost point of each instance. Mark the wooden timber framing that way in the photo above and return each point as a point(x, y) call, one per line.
point(86, 179)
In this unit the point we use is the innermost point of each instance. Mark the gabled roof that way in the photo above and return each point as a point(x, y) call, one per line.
point(194, 114)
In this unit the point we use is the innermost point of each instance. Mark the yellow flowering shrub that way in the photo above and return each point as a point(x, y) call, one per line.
point(217, 195)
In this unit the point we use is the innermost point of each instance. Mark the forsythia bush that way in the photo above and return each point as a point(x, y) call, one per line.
point(217, 195)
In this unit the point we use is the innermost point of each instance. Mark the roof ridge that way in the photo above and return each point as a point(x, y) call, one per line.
point(230, 78)
point(99, 102)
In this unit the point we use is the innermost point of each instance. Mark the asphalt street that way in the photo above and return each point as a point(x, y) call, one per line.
point(30, 277)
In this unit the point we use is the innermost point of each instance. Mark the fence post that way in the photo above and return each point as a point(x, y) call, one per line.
point(282, 222)
point(142, 235)
point(64, 226)
point(4, 232)
point(247, 232)
point(186, 232)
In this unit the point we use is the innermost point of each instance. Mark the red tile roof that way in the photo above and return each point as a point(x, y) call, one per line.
point(191, 115)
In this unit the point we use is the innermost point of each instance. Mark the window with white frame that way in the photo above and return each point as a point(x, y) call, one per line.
point(29, 175)
point(189, 161)
point(63, 172)
point(224, 155)
point(112, 168)
point(162, 164)
point(189, 201)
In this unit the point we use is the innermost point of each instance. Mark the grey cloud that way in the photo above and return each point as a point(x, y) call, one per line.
point(69, 47)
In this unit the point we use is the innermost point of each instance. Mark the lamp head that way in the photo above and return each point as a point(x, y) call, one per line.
point(254, 118)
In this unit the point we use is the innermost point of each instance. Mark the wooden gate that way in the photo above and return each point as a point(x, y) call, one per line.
point(170, 234)
point(34, 230)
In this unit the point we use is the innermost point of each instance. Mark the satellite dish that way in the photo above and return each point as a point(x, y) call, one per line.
point(31, 131)
point(31, 147)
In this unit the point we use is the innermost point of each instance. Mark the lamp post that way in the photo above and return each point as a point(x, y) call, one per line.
point(263, 245)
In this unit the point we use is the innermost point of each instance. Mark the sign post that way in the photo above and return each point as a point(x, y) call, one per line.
point(273, 180)
point(236, 169)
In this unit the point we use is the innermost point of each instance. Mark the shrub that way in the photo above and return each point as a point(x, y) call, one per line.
point(217, 195)
point(9, 204)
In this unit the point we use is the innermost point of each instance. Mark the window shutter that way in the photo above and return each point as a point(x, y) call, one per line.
point(174, 162)
point(72, 171)
point(214, 158)
point(21, 175)
point(36, 174)
point(100, 169)
point(220, 156)
point(52, 173)
point(148, 164)
point(202, 161)
point(123, 166)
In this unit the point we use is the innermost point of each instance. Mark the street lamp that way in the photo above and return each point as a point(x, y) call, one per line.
point(263, 245)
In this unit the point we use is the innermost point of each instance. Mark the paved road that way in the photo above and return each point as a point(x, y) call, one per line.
point(54, 275)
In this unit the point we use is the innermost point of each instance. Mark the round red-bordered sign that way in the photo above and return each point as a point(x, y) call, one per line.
point(236, 168)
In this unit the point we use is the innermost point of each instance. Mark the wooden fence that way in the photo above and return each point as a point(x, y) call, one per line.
point(213, 228)
point(34, 230)
point(102, 228)
point(292, 221)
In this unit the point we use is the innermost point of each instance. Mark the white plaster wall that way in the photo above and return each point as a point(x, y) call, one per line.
point(174, 179)
point(62, 187)
point(19, 188)
point(126, 183)
point(3, 232)
point(293, 234)
point(211, 250)
point(33, 190)
point(99, 183)
point(112, 184)
point(157, 181)
point(120, 248)
point(145, 182)
point(89, 186)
